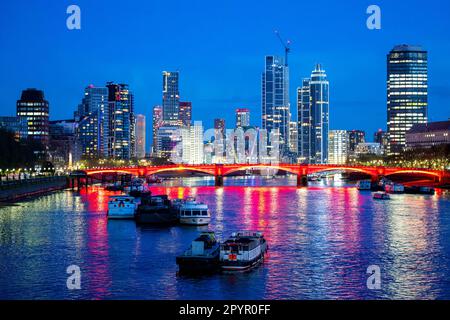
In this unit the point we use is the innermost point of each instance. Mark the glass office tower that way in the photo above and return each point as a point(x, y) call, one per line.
point(275, 99)
point(407, 93)
point(171, 98)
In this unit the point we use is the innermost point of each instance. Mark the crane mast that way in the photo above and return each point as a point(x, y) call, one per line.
point(286, 46)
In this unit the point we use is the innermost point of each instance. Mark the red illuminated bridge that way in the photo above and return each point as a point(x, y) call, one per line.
point(219, 171)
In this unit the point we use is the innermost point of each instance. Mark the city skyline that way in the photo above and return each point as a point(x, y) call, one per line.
point(207, 83)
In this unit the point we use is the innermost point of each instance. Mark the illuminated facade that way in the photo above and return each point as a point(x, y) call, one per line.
point(185, 114)
point(304, 121)
point(275, 99)
point(32, 110)
point(171, 98)
point(293, 137)
point(338, 146)
point(156, 123)
point(192, 139)
point(140, 136)
point(93, 132)
point(428, 135)
point(122, 134)
point(167, 139)
point(407, 93)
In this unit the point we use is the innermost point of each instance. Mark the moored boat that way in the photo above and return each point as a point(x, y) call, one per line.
point(242, 251)
point(156, 210)
point(121, 207)
point(202, 255)
point(192, 212)
point(381, 196)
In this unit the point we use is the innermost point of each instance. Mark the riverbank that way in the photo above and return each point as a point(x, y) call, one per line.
point(19, 190)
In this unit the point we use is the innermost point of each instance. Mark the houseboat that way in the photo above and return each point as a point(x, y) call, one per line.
point(156, 210)
point(202, 255)
point(192, 212)
point(364, 185)
point(242, 251)
point(121, 207)
point(381, 196)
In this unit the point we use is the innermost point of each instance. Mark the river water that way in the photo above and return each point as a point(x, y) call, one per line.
point(321, 241)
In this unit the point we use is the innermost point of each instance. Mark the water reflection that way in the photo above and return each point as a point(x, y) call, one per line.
point(321, 241)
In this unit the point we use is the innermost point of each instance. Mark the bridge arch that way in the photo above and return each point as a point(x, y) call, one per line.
point(172, 169)
point(369, 172)
point(260, 166)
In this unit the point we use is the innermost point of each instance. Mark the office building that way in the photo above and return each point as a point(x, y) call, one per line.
point(407, 93)
point(171, 98)
point(192, 139)
point(275, 100)
point(33, 109)
point(338, 146)
point(428, 135)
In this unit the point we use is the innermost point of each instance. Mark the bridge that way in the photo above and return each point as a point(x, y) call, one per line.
point(219, 171)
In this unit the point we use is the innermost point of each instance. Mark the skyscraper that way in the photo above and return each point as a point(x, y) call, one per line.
point(319, 99)
point(33, 109)
point(156, 123)
point(304, 121)
point(121, 108)
point(140, 136)
point(93, 132)
point(185, 113)
point(407, 93)
point(275, 99)
point(171, 98)
point(338, 147)
point(242, 117)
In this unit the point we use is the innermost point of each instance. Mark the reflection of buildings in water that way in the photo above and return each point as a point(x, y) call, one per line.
point(414, 233)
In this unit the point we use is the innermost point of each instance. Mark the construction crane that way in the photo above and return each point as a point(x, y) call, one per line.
point(286, 45)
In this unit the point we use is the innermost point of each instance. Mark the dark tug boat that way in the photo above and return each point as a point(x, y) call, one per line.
point(202, 256)
point(156, 210)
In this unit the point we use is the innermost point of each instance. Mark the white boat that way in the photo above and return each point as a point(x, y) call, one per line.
point(381, 196)
point(193, 213)
point(242, 251)
point(364, 185)
point(121, 207)
point(394, 188)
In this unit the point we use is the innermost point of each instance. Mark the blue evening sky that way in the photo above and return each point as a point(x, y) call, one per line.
point(219, 49)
